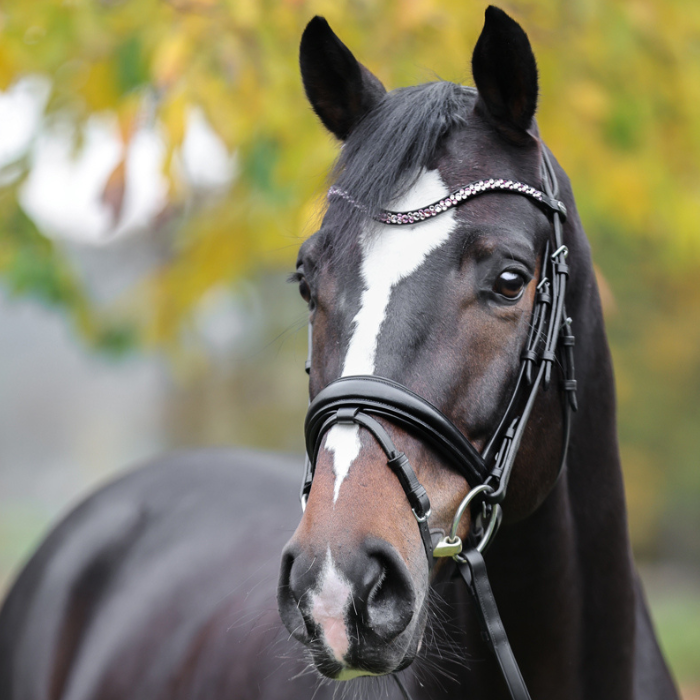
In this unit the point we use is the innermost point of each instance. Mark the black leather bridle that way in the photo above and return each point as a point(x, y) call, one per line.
point(363, 399)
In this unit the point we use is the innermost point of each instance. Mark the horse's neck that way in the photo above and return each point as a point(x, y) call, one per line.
point(575, 587)
point(592, 499)
point(563, 578)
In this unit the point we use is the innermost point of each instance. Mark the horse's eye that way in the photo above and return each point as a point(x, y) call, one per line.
point(304, 290)
point(510, 285)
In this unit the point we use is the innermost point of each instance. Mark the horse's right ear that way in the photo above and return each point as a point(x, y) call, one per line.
point(340, 89)
point(505, 74)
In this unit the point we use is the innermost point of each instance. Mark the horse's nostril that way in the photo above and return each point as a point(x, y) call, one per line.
point(376, 590)
point(385, 599)
point(290, 590)
point(373, 575)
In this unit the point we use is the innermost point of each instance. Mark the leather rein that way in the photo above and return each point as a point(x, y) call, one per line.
point(363, 399)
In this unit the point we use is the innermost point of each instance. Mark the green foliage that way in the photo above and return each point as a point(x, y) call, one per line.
point(677, 621)
point(21, 529)
point(132, 68)
point(620, 106)
point(619, 99)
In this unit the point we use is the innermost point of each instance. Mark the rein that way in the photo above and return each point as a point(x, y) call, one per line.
point(361, 399)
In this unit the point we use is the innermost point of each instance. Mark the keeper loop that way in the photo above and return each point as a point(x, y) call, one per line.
point(561, 268)
point(346, 415)
point(530, 355)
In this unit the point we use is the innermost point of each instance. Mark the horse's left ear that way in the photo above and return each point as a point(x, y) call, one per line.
point(340, 89)
point(505, 74)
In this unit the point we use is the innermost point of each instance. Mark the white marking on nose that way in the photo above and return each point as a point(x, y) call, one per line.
point(328, 606)
point(389, 255)
point(344, 442)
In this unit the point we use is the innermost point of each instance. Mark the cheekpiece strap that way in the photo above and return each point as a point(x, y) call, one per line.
point(463, 194)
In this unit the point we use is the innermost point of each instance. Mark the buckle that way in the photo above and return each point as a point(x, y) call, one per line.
point(451, 545)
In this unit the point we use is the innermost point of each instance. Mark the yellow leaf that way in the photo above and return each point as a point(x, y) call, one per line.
point(172, 115)
point(170, 59)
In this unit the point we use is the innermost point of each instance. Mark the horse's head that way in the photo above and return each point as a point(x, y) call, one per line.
point(442, 306)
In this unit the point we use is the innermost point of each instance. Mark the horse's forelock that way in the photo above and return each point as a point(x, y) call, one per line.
point(389, 148)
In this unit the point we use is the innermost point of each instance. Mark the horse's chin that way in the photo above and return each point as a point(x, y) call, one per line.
point(348, 674)
point(370, 660)
point(340, 672)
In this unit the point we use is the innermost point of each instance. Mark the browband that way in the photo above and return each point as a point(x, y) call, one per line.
point(460, 195)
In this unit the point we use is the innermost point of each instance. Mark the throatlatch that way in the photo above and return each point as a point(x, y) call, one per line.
point(363, 399)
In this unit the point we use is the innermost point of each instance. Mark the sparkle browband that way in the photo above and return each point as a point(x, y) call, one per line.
point(396, 218)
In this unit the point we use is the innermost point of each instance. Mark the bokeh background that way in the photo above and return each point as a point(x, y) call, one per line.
point(159, 167)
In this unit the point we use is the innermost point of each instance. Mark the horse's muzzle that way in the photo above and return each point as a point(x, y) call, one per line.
point(352, 611)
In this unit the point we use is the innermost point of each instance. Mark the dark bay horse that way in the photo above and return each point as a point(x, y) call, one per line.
point(165, 583)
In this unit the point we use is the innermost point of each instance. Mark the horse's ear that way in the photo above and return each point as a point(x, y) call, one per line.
point(340, 89)
point(505, 74)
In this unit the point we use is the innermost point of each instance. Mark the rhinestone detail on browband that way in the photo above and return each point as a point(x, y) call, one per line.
point(461, 195)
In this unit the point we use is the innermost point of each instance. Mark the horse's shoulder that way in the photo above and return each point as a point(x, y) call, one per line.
point(165, 545)
point(208, 486)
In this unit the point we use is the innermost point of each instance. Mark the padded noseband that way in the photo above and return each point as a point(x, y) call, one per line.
point(356, 399)
point(387, 399)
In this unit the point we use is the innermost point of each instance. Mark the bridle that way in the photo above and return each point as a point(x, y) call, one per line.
point(361, 399)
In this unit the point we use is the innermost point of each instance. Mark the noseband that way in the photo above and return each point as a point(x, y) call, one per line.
point(363, 399)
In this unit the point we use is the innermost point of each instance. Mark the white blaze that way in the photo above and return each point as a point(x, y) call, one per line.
point(328, 605)
point(344, 442)
point(389, 255)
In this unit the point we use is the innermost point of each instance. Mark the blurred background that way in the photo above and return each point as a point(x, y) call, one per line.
point(159, 167)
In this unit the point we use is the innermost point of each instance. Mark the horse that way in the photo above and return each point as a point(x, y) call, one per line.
point(444, 288)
